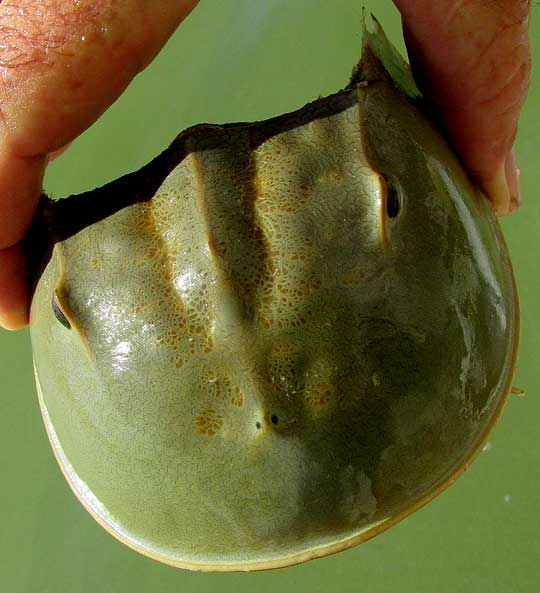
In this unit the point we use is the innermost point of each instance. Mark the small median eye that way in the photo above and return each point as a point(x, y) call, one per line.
point(58, 313)
point(393, 204)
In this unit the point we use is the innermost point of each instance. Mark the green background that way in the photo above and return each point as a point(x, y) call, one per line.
point(244, 60)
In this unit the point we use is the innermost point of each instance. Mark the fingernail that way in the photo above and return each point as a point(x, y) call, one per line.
point(14, 320)
point(498, 192)
point(513, 173)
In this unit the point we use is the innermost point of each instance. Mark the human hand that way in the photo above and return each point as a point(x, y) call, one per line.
point(471, 59)
point(62, 64)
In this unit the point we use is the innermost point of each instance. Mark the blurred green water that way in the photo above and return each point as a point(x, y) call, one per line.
point(242, 60)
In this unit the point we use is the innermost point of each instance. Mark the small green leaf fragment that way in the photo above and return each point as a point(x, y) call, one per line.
point(394, 63)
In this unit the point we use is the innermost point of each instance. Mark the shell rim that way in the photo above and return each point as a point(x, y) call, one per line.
point(350, 541)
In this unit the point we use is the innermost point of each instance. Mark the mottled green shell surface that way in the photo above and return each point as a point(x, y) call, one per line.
point(277, 339)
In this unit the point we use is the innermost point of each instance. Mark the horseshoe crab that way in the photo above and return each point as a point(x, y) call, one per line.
point(276, 339)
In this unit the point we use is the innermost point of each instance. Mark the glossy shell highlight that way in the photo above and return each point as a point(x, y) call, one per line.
point(277, 339)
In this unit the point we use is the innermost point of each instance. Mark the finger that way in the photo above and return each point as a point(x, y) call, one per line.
point(472, 60)
point(63, 64)
point(20, 186)
point(512, 175)
point(13, 290)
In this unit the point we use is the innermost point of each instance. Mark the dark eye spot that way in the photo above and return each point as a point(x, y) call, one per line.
point(59, 314)
point(274, 419)
point(258, 425)
point(393, 204)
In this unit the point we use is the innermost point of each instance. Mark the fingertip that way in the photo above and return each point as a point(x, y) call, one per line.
point(513, 175)
point(503, 189)
point(13, 288)
point(497, 192)
point(14, 320)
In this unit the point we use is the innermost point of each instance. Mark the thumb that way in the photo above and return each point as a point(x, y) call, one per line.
point(63, 63)
point(472, 60)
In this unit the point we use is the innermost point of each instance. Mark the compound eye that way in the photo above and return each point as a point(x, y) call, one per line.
point(58, 313)
point(393, 200)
